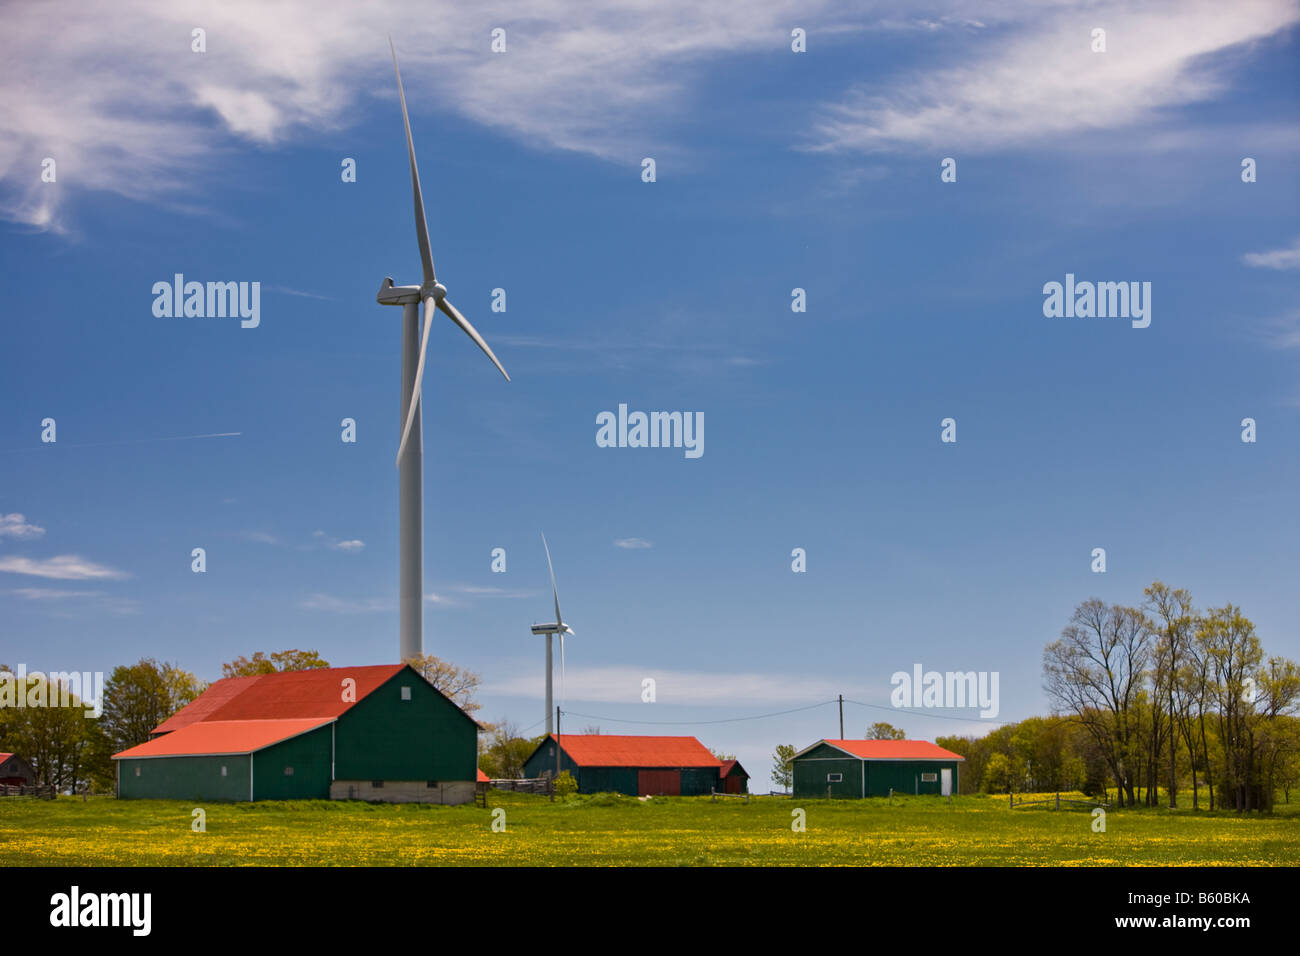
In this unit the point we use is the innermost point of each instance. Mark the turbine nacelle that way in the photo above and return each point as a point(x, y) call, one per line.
point(551, 629)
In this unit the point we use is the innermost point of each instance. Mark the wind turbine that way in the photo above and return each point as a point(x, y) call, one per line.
point(550, 630)
point(410, 451)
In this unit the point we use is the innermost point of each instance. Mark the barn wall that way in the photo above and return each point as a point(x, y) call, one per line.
point(185, 778)
point(810, 776)
point(903, 775)
point(308, 755)
point(699, 780)
point(608, 780)
point(383, 737)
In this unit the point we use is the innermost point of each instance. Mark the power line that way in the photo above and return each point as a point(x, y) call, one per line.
point(724, 720)
point(914, 713)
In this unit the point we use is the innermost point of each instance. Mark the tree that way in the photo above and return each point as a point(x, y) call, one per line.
point(782, 768)
point(454, 682)
point(883, 731)
point(724, 757)
point(591, 729)
point(505, 753)
point(1095, 672)
point(278, 662)
point(52, 731)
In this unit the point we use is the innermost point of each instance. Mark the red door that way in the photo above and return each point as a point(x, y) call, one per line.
point(659, 782)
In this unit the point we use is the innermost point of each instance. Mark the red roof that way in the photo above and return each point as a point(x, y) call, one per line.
point(224, 737)
point(482, 777)
point(4, 757)
point(895, 749)
point(729, 765)
point(284, 695)
point(610, 750)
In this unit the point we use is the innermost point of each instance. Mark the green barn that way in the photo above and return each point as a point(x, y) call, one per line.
point(871, 768)
point(366, 733)
point(636, 766)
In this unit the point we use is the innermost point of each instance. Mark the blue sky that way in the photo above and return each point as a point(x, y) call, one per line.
point(775, 170)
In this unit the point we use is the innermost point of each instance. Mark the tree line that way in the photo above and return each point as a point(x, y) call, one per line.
point(1157, 696)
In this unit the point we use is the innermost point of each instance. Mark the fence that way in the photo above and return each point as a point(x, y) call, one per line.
point(527, 785)
point(1057, 800)
point(720, 793)
point(46, 792)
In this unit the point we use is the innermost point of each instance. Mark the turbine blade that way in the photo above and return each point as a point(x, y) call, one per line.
point(419, 379)
point(558, 620)
point(421, 227)
point(454, 314)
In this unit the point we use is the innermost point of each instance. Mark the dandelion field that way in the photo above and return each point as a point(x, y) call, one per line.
point(611, 830)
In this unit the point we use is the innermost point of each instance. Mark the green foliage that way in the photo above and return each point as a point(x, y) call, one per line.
point(504, 756)
point(782, 768)
point(259, 663)
point(565, 785)
point(883, 731)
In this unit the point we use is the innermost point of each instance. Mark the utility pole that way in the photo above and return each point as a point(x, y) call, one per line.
point(841, 716)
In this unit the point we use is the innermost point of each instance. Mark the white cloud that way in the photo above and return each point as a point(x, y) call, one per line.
point(1040, 83)
point(114, 94)
point(352, 545)
point(64, 567)
point(477, 591)
point(622, 685)
point(16, 526)
point(1287, 257)
point(52, 594)
point(633, 543)
point(336, 605)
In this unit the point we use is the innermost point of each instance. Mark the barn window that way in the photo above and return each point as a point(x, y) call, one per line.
point(376, 783)
point(929, 777)
point(137, 770)
point(835, 778)
point(431, 784)
point(288, 771)
point(406, 693)
point(223, 771)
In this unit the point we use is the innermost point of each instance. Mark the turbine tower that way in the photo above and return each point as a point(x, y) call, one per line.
point(410, 451)
point(550, 630)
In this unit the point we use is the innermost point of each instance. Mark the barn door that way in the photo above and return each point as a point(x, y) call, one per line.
point(656, 782)
point(945, 782)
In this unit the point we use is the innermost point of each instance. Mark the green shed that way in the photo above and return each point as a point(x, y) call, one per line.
point(371, 733)
point(872, 768)
point(636, 766)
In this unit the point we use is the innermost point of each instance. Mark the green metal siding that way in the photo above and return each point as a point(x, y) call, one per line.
point(607, 780)
point(810, 776)
point(699, 780)
point(184, 778)
point(308, 755)
point(905, 776)
point(383, 737)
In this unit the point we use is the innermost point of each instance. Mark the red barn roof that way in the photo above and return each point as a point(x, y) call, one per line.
point(291, 695)
point(4, 757)
point(611, 750)
point(224, 737)
point(730, 765)
point(890, 749)
point(482, 777)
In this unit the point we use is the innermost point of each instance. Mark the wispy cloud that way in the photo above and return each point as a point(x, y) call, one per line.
point(64, 567)
point(622, 685)
point(633, 543)
point(1288, 257)
point(261, 537)
point(1038, 81)
point(17, 526)
point(476, 591)
point(53, 594)
point(115, 96)
point(337, 605)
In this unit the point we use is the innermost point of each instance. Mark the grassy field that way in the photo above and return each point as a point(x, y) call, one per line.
point(612, 830)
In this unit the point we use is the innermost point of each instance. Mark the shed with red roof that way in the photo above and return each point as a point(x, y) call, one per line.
point(636, 766)
point(872, 768)
point(15, 771)
point(370, 733)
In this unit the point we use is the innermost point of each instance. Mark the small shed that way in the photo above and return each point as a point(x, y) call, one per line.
point(872, 768)
point(734, 778)
point(15, 771)
point(636, 766)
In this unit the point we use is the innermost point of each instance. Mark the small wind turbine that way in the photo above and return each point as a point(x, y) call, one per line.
point(410, 453)
point(550, 630)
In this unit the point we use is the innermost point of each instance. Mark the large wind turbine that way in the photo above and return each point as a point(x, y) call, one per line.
point(550, 630)
point(410, 451)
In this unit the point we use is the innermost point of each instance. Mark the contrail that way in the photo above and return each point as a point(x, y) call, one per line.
point(128, 441)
